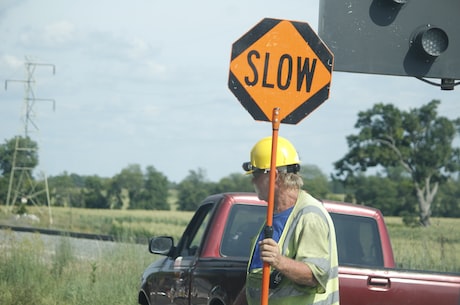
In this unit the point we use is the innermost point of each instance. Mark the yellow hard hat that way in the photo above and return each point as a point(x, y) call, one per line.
point(286, 155)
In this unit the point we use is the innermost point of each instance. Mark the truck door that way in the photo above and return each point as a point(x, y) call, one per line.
point(360, 252)
point(174, 278)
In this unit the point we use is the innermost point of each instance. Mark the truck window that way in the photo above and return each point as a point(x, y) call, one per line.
point(193, 235)
point(196, 241)
point(358, 240)
point(244, 222)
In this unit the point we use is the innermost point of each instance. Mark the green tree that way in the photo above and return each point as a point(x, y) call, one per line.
point(154, 194)
point(448, 203)
point(3, 189)
point(115, 194)
point(23, 153)
point(192, 190)
point(382, 193)
point(25, 150)
point(419, 141)
point(131, 180)
point(236, 182)
point(65, 190)
point(315, 181)
point(93, 193)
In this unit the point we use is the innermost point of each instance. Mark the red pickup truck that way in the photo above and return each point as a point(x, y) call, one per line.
point(208, 265)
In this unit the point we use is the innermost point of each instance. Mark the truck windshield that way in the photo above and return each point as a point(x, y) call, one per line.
point(243, 224)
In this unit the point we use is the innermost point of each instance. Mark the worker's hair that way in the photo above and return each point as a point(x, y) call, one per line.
point(290, 180)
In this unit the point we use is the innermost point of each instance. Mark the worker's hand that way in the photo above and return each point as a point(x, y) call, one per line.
point(269, 252)
point(297, 271)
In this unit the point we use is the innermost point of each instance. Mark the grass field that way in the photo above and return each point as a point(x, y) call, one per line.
point(431, 248)
point(119, 223)
point(29, 275)
point(113, 277)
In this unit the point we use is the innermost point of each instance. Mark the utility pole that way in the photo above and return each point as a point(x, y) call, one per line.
point(22, 186)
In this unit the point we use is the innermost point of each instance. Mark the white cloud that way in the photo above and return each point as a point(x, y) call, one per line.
point(10, 62)
point(59, 33)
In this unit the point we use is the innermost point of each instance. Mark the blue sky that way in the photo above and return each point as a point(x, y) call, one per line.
point(145, 82)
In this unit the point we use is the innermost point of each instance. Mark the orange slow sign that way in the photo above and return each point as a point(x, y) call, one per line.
point(280, 64)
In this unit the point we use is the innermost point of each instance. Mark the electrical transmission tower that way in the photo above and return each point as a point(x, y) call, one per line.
point(23, 188)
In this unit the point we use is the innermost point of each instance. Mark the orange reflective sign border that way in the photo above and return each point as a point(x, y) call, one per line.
point(283, 64)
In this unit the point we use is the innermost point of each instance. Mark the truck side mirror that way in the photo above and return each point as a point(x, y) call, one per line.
point(161, 245)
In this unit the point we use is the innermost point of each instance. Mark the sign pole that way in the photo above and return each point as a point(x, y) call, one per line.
point(268, 230)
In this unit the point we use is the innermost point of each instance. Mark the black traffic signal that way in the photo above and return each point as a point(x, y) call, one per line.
point(418, 38)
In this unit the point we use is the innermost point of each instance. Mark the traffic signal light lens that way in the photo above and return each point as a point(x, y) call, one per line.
point(433, 41)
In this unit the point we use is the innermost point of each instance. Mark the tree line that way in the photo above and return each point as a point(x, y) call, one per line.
point(415, 172)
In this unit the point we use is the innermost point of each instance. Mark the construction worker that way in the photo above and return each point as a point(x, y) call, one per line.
point(302, 253)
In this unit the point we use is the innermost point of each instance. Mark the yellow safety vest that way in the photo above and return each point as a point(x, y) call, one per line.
point(308, 236)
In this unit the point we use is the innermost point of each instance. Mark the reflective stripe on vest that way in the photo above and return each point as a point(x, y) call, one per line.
point(291, 291)
point(320, 262)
